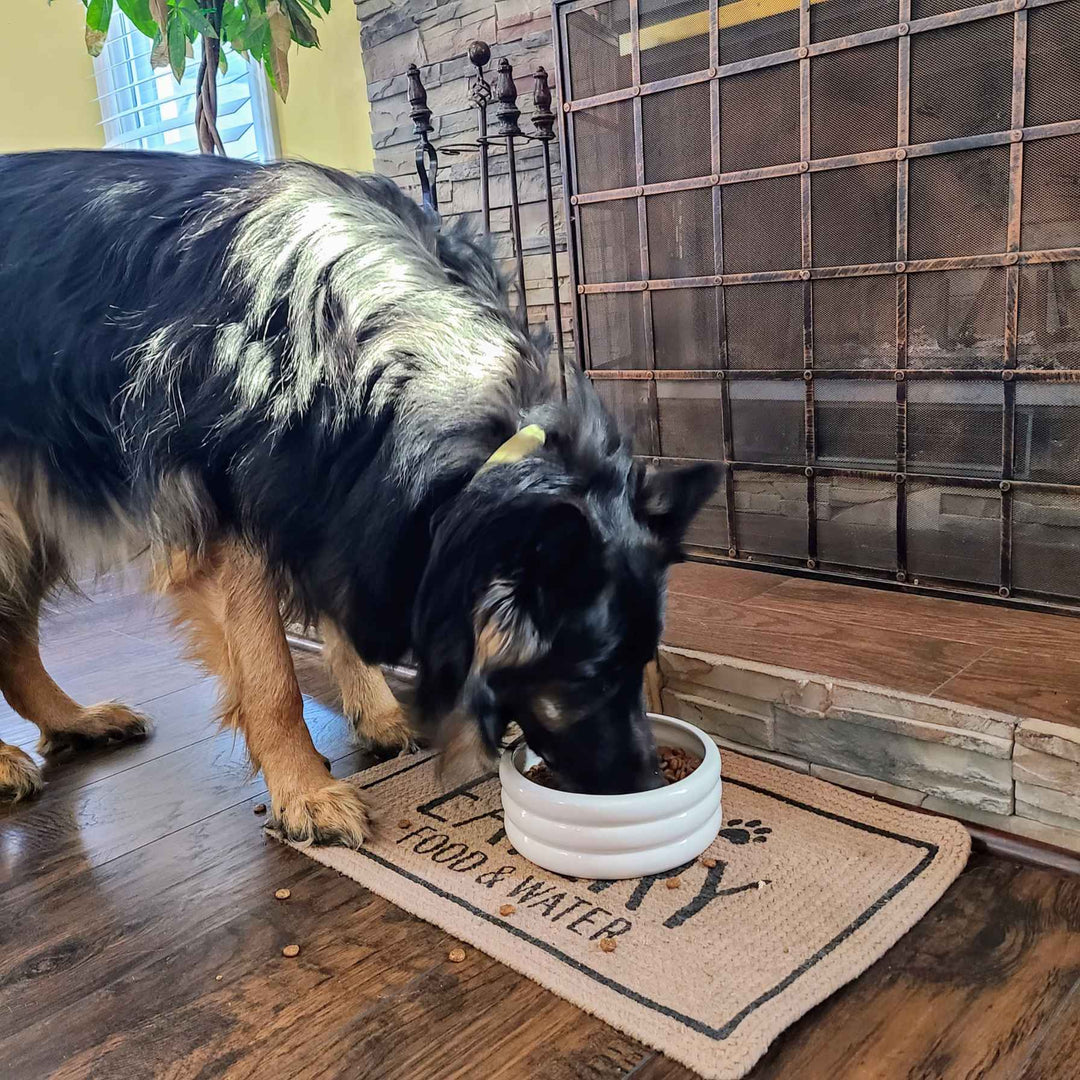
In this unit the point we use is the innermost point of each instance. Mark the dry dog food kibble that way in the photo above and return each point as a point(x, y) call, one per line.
point(283, 894)
point(676, 763)
point(455, 956)
point(673, 882)
point(404, 823)
point(507, 909)
point(542, 775)
point(708, 863)
point(291, 950)
point(608, 944)
point(259, 808)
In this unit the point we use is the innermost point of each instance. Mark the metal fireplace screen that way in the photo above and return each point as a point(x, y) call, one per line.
point(835, 246)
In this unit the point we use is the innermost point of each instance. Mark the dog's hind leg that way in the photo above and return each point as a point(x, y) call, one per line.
point(231, 610)
point(367, 701)
point(27, 572)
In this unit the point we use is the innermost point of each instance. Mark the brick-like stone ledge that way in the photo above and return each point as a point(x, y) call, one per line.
point(1018, 774)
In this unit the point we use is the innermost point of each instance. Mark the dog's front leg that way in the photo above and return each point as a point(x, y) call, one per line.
point(231, 611)
point(366, 700)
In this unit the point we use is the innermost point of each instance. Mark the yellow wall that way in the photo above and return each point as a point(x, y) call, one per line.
point(38, 41)
point(326, 118)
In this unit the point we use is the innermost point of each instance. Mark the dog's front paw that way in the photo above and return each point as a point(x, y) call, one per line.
point(107, 722)
point(333, 814)
point(387, 730)
point(19, 775)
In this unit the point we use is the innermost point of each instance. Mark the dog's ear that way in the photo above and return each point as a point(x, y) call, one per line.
point(668, 499)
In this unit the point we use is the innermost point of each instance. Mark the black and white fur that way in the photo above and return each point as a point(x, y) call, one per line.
point(199, 348)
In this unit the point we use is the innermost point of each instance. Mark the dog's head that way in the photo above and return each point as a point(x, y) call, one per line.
point(541, 605)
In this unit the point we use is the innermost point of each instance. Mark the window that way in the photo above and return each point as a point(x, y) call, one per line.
point(144, 108)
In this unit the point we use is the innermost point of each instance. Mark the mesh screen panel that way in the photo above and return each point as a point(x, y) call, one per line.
point(856, 521)
point(612, 249)
point(854, 215)
point(961, 80)
point(630, 402)
point(924, 9)
point(1047, 433)
point(953, 532)
point(674, 38)
point(955, 408)
point(759, 118)
point(764, 325)
point(958, 204)
point(1048, 327)
point(685, 330)
point(767, 420)
point(1046, 538)
point(855, 322)
point(856, 423)
point(853, 100)
point(597, 63)
point(616, 330)
point(709, 528)
point(1050, 207)
point(690, 418)
point(956, 319)
point(761, 225)
point(955, 428)
point(770, 512)
point(839, 18)
point(604, 147)
point(675, 128)
point(1053, 74)
point(681, 234)
point(744, 34)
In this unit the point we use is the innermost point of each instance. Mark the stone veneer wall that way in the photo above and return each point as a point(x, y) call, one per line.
point(1016, 774)
point(435, 36)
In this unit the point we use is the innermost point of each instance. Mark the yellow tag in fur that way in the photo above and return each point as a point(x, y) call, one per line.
point(524, 442)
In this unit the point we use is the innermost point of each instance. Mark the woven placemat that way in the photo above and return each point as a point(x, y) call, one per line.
point(809, 885)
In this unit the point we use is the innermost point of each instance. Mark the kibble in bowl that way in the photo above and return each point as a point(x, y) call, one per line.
point(617, 836)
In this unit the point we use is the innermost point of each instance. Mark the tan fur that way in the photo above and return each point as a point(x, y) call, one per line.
point(31, 692)
point(19, 775)
point(366, 699)
point(231, 610)
point(463, 751)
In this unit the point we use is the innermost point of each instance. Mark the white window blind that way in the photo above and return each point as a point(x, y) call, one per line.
point(145, 108)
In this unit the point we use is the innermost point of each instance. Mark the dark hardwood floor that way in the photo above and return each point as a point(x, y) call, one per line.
point(139, 934)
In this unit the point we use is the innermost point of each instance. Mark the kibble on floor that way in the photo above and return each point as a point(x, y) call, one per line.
point(608, 944)
point(673, 882)
point(283, 894)
point(291, 950)
point(507, 909)
point(455, 956)
point(259, 808)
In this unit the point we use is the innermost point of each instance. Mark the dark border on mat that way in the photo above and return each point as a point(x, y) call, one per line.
point(717, 1033)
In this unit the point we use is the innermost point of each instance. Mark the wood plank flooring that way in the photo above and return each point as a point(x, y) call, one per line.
point(139, 934)
point(1015, 661)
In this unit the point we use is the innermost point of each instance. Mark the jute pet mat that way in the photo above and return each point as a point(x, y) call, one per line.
point(811, 884)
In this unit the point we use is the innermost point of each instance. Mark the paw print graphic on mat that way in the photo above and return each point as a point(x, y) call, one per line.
point(745, 832)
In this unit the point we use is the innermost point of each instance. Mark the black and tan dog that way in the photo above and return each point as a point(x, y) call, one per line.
point(289, 388)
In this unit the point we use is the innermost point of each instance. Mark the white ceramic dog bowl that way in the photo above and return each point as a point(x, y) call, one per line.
point(615, 836)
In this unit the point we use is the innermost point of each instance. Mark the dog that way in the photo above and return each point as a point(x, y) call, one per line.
point(299, 397)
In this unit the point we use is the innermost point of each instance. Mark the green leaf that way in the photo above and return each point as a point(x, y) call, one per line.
point(98, 14)
point(199, 22)
point(177, 47)
point(302, 31)
point(138, 11)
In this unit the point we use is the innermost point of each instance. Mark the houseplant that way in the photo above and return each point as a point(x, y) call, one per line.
point(262, 30)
